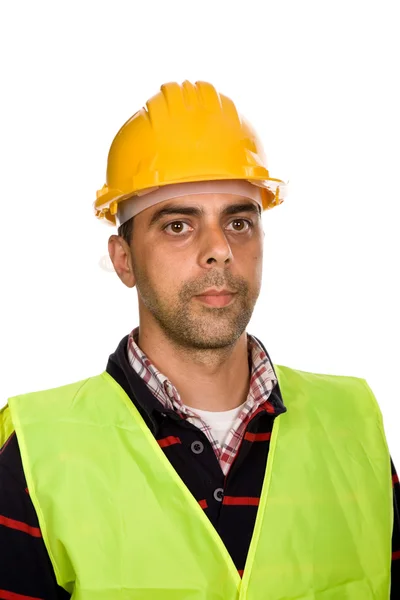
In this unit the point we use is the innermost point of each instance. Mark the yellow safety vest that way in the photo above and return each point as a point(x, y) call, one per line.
point(119, 523)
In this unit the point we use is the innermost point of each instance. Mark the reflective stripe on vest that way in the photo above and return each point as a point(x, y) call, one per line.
point(119, 523)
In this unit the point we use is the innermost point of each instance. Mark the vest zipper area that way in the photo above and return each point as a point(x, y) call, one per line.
point(242, 583)
point(264, 490)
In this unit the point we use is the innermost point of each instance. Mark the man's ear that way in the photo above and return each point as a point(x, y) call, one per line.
point(121, 258)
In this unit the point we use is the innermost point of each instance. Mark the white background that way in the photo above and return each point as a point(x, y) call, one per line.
point(319, 80)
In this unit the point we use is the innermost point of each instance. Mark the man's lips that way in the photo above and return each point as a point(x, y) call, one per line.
point(217, 298)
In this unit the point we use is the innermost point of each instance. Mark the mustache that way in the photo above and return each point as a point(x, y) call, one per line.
point(236, 284)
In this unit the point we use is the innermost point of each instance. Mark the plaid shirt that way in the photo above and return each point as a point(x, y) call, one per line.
point(262, 382)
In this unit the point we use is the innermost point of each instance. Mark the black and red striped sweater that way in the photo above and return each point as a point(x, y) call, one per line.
point(229, 502)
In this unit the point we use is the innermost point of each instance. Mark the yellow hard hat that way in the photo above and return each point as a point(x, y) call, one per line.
point(186, 133)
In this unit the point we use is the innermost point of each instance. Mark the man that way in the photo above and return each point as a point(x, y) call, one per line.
point(194, 468)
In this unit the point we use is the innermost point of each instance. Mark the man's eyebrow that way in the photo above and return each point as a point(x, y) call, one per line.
point(232, 209)
point(193, 211)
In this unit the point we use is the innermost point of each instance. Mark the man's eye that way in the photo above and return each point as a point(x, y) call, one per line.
point(240, 223)
point(176, 228)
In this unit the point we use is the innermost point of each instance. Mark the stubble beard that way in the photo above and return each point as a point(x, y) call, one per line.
point(191, 325)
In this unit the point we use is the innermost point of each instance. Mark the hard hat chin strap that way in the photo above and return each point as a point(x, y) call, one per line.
point(135, 204)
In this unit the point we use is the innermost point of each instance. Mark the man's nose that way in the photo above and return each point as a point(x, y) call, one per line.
point(215, 247)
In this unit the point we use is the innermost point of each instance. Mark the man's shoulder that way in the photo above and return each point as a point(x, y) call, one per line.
point(60, 390)
point(43, 406)
point(38, 397)
point(10, 456)
point(315, 376)
point(326, 389)
point(49, 400)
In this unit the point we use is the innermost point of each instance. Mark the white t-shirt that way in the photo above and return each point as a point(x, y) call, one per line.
point(220, 422)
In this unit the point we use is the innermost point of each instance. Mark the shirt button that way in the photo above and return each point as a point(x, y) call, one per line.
point(197, 447)
point(218, 494)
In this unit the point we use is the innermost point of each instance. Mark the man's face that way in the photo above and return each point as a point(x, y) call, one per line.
point(185, 246)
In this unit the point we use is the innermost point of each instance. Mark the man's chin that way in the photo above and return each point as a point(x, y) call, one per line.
point(213, 338)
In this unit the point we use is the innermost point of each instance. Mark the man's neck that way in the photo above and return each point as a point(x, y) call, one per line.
point(213, 380)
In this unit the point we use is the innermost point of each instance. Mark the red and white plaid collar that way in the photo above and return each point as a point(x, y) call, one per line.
point(262, 382)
